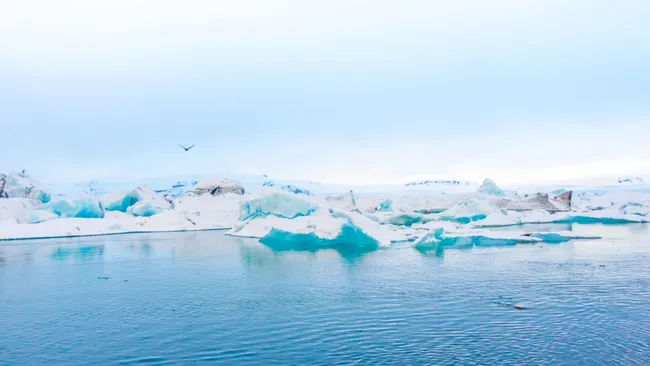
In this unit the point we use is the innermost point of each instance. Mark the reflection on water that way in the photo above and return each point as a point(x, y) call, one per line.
point(186, 298)
point(79, 254)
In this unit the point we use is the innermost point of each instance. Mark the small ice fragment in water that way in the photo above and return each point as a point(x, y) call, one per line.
point(519, 307)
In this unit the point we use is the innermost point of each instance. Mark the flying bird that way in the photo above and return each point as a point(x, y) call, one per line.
point(186, 148)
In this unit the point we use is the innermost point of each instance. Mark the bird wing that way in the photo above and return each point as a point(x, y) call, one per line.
point(190, 147)
point(184, 148)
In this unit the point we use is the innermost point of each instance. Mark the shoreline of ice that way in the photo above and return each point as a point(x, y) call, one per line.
point(281, 215)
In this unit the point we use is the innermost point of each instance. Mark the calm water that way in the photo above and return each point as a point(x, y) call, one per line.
point(185, 298)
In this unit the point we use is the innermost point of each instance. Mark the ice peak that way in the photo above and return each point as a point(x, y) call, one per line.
point(432, 182)
point(490, 188)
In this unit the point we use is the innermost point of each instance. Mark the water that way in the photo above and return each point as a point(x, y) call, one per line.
point(186, 298)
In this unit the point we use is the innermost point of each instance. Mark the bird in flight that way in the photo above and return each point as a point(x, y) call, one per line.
point(186, 148)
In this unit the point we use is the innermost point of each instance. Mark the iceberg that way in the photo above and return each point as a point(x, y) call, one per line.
point(38, 216)
point(282, 219)
point(473, 209)
point(277, 204)
point(216, 186)
point(118, 201)
point(345, 201)
point(510, 218)
point(541, 201)
point(142, 201)
point(440, 238)
point(287, 187)
point(17, 209)
point(490, 188)
point(84, 207)
point(21, 185)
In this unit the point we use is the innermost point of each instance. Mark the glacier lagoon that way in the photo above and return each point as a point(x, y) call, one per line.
point(204, 297)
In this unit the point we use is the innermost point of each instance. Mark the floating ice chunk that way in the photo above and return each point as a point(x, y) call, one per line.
point(17, 209)
point(603, 216)
point(560, 237)
point(507, 218)
point(440, 238)
point(37, 216)
point(21, 185)
point(490, 188)
point(216, 186)
point(318, 230)
point(276, 217)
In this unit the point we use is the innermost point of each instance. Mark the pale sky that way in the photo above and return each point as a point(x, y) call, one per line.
point(355, 92)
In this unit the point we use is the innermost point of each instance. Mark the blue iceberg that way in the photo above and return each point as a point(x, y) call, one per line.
point(85, 207)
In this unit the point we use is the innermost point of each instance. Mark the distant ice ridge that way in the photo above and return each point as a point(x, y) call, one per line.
point(287, 187)
point(436, 182)
point(631, 180)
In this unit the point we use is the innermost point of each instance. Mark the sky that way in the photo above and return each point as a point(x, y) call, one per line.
point(354, 91)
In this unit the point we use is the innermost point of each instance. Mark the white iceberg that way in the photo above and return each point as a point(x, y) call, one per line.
point(291, 221)
point(216, 186)
point(21, 185)
point(490, 188)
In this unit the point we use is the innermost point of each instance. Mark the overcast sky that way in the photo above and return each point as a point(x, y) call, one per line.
point(338, 91)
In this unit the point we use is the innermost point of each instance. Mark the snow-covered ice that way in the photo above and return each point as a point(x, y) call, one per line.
point(279, 217)
point(438, 214)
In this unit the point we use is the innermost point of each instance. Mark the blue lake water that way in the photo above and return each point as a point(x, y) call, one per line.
point(187, 298)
